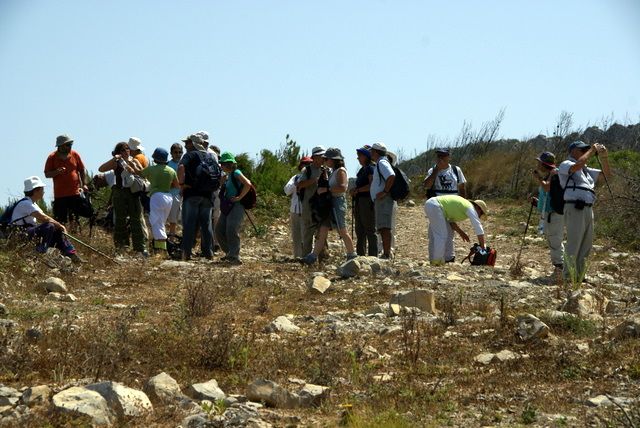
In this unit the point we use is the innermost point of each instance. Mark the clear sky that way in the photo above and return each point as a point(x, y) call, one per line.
point(338, 73)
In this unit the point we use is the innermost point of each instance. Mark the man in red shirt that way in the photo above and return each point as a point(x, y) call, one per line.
point(67, 170)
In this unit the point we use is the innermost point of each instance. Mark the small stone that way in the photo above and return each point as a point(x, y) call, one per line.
point(419, 298)
point(628, 329)
point(272, 394)
point(530, 327)
point(85, 402)
point(349, 269)
point(36, 395)
point(175, 264)
point(282, 324)
point(312, 395)
point(454, 277)
point(122, 400)
point(603, 400)
point(484, 358)
point(163, 389)
point(320, 284)
point(411, 203)
point(506, 355)
point(206, 391)
point(53, 284)
point(8, 396)
point(54, 297)
point(69, 298)
point(585, 303)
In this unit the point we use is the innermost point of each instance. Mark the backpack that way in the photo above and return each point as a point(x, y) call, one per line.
point(307, 173)
point(481, 257)
point(208, 173)
point(400, 188)
point(556, 193)
point(431, 192)
point(249, 200)
point(5, 218)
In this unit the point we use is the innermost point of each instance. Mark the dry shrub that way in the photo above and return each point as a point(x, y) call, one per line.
point(199, 300)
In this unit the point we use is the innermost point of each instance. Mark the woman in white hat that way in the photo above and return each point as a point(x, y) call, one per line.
point(27, 213)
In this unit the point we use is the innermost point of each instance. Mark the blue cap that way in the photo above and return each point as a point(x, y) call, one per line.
point(160, 155)
point(364, 151)
point(578, 145)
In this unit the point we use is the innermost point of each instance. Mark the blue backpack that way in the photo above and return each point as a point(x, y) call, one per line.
point(5, 218)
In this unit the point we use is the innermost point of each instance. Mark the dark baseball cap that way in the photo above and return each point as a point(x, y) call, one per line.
point(578, 145)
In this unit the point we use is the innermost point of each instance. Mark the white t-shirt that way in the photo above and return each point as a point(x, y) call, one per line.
point(381, 172)
point(446, 182)
point(25, 209)
point(585, 178)
point(290, 190)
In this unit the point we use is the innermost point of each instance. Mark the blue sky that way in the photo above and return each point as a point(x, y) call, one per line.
point(337, 73)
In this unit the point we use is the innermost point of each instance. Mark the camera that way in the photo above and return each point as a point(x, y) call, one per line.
point(580, 204)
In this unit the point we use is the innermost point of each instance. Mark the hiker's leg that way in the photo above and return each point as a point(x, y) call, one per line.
point(321, 239)
point(573, 223)
point(175, 213)
point(449, 248)
point(136, 222)
point(385, 234)
point(234, 223)
point(44, 232)
point(215, 215)
point(587, 241)
point(339, 221)
point(62, 243)
point(61, 209)
point(310, 229)
point(221, 232)
point(189, 220)
point(369, 223)
point(438, 232)
point(160, 207)
point(346, 238)
point(206, 234)
point(361, 234)
point(120, 213)
point(554, 232)
point(384, 222)
point(295, 221)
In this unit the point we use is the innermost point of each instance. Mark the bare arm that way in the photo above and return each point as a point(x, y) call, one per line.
point(43, 218)
point(461, 232)
point(246, 186)
point(342, 180)
point(462, 190)
point(387, 187)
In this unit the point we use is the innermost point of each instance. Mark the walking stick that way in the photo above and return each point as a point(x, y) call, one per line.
point(606, 180)
point(95, 250)
point(353, 216)
point(251, 221)
point(526, 228)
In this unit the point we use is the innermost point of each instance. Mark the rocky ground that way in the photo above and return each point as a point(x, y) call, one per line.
point(273, 343)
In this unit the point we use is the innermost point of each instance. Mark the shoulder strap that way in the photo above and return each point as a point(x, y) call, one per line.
point(455, 171)
point(379, 173)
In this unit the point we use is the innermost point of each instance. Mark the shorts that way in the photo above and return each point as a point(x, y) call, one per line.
point(384, 211)
point(175, 215)
point(338, 212)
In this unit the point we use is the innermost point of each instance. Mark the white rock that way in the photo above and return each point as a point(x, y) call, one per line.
point(530, 327)
point(312, 395)
point(36, 395)
point(85, 402)
point(8, 396)
point(272, 394)
point(420, 298)
point(349, 269)
point(163, 389)
point(585, 303)
point(506, 355)
point(122, 400)
point(628, 329)
point(484, 358)
point(69, 298)
point(53, 284)
point(175, 264)
point(206, 391)
point(603, 400)
point(320, 284)
point(282, 324)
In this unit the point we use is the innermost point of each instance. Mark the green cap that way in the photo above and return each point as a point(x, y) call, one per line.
point(227, 157)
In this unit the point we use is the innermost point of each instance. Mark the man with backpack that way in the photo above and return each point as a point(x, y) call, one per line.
point(66, 169)
point(578, 181)
point(383, 178)
point(306, 187)
point(199, 177)
point(444, 178)
point(552, 220)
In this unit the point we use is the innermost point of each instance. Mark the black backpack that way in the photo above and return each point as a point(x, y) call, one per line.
point(208, 173)
point(431, 192)
point(556, 194)
point(400, 188)
point(5, 218)
point(307, 173)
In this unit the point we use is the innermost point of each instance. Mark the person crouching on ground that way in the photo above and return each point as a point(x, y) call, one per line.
point(231, 209)
point(162, 178)
point(50, 232)
point(338, 182)
point(553, 222)
point(295, 210)
point(443, 213)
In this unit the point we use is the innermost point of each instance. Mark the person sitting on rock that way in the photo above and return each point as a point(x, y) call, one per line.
point(443, 213)
point(39, 225)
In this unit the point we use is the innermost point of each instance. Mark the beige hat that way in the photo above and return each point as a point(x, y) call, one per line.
point(135, 144)
point(483, 206)
point(33, 182)
point(379, 147)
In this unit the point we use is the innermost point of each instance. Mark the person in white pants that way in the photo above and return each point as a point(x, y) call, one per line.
point(443, 213)
point(162, 178)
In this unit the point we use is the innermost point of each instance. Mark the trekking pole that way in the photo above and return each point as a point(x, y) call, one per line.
point(251, 221)
point(606, 180)
point(353, 216)
point(91, 248)
point(526, 228)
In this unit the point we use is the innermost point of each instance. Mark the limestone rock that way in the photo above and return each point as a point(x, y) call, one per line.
point(8, 396)
point(530, 327)
point(312, 395)
point(175, 264)
point(122, 400)
point(484, 358)
point(282, 324)
point(506, 355)
point(54, 285)
point(320, 284)
point(628, 329)
point(349, 269)
point(585, 303)
point(162, 389)
point(272, 394)
point(603, 400)
point(54, 296)
point(85, 402)
point(36, 395)
point(420, 298)
point(206, 391)
point(553, 315)
point(69, 298)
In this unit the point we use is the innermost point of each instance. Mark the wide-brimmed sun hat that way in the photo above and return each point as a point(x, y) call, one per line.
point(135, 144)
point(333, 153)
point(547, 158)
point(318, 151)
point(227, 157)
point(483, 206)
point(61, 140)
point(33, 182)
point(379, 147)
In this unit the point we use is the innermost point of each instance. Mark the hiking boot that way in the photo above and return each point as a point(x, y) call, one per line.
point(310, 259)
point(76, 259)
point(234, 261)
point(451, 260)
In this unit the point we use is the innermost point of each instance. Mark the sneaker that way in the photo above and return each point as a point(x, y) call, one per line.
point(451, 260)
point(310, 259)
point(75, 258)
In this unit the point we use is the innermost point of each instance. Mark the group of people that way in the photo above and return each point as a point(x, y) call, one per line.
point(203, 189)
point(185, 188)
